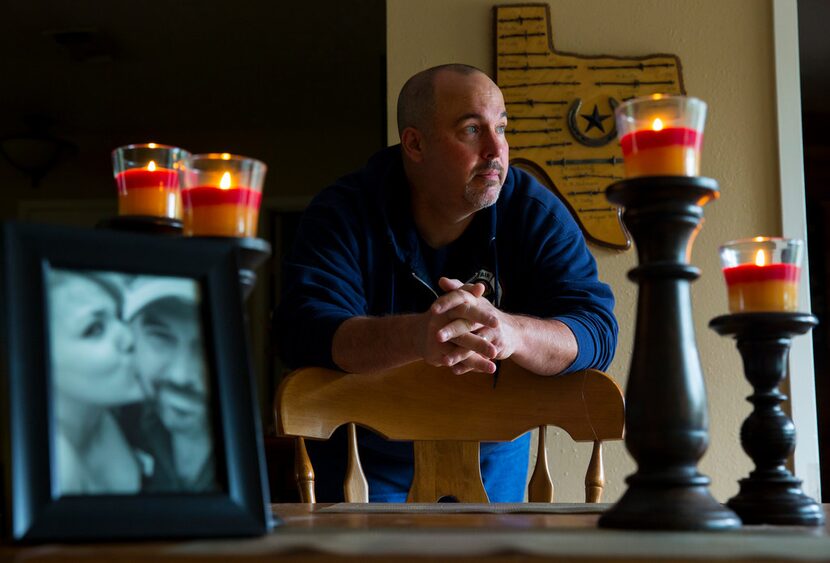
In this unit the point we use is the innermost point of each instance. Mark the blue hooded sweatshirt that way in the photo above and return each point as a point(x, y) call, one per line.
point(358, 253)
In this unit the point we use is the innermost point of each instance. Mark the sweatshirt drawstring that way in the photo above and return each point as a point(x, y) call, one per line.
point(496, 296)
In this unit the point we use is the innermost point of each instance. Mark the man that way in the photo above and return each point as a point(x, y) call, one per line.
point(439, 251)
point(170, 360)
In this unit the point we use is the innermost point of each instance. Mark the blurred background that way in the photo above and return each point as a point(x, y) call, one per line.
point(298, 85)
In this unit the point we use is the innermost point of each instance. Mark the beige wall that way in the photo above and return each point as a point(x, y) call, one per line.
point(726, 49)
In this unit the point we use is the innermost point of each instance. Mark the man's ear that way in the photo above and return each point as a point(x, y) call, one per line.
point(412, 144)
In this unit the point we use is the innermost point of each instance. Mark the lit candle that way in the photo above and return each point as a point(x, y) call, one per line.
point(148, 191)
point(223, 202)
point(147, 177)
point(762, 274)
point(661, 135)
point(662, 151)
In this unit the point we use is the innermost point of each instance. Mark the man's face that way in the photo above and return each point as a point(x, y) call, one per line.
point(170, 358)
point(465, 150)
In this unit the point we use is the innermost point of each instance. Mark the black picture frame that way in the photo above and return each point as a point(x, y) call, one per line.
point(31, 510)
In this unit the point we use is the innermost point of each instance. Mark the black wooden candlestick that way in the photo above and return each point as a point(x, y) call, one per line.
point(666, 411)
point(143, 224)
point(253, 252)
point(771, 494)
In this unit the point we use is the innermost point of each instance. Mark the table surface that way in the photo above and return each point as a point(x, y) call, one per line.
point(532, 532)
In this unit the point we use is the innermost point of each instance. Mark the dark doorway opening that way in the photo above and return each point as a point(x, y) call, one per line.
point(814, 49)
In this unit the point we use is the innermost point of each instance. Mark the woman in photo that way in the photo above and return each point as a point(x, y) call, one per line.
point(92, 352)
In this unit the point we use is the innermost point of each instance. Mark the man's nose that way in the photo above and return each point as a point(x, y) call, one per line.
point(493, 145)
point(188, 369)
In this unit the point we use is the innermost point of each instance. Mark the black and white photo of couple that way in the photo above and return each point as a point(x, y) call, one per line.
point(130, 390)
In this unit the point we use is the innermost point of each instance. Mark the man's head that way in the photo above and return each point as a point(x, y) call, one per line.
point(451, 120)
point(169, 351)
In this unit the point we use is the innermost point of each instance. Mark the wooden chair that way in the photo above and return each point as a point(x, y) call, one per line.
point(446, 416)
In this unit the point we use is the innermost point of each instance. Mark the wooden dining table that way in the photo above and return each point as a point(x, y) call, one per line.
point(451, 532)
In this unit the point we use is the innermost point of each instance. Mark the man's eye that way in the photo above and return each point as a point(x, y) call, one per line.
point(93, 329)
point(471, 129)
point(160, 336)
point(500, 129)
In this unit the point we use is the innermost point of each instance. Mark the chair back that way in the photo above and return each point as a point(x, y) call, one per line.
point(446, 416)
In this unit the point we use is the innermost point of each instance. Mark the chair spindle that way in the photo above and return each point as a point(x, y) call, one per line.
point(595, 476)
point(540, 488)
point(303, 472)
point(355, 487)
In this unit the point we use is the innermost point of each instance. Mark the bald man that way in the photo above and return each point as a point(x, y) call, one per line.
point(438, 250)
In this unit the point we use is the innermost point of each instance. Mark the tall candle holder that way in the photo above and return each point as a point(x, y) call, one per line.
point(666, 407)
point(771, 494)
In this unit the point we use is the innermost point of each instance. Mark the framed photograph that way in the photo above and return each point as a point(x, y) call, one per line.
point(126, 389)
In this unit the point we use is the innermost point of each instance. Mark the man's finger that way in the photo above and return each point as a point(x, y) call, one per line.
point(455, 299)
point(466, 319)
point(476, 363)
point(477, 289)
point(457, 328)
point(476, 343)
point(456, 356)
point(450, 284)
point(460, 369)
point(451, 300)
point(475, 314)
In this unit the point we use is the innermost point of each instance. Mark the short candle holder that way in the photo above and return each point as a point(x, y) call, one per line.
point(771, 494)
point(666, 408)
point(147, 176)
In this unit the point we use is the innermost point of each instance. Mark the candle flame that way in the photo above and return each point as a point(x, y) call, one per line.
point(760, 258)
point(225, 182)
point(657, 125)
point(152, 166)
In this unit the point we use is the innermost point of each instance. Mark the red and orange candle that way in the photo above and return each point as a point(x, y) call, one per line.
point(762, 274)
point(661, 135)
point(222, 195)
point(147, 177)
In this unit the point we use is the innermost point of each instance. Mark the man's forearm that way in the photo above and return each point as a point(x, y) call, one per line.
point(543, 346)
point(366, 344)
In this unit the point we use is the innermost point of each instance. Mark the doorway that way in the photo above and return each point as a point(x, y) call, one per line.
point(814, 53)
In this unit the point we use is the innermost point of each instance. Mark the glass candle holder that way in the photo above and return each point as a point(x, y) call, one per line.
point(221, 194)
point(661, 135)
point(147, 176)
point(762, 273)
